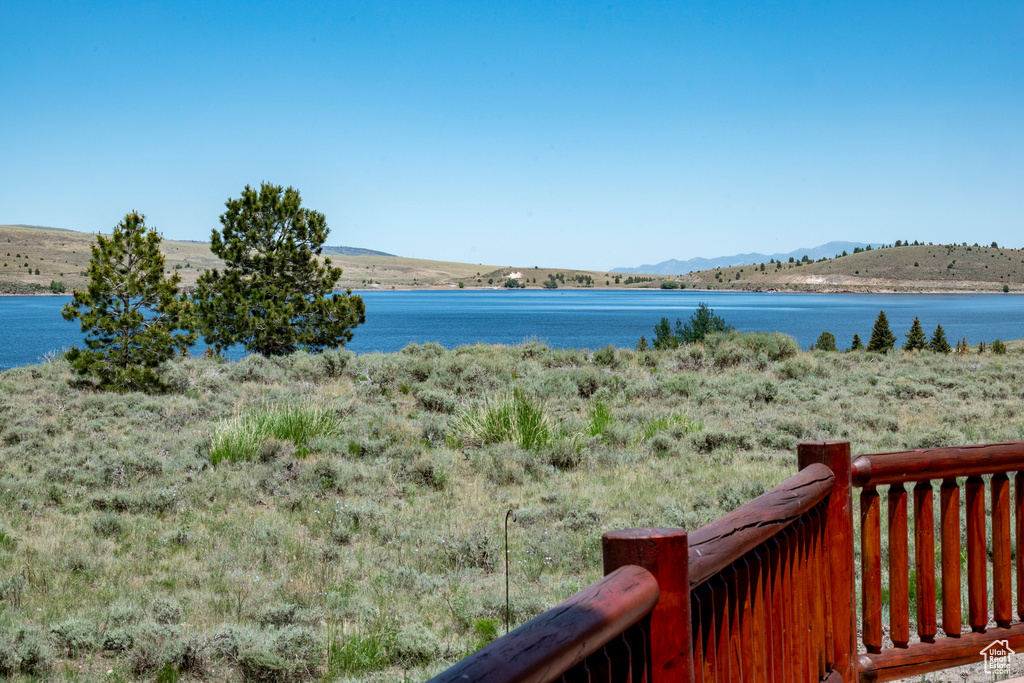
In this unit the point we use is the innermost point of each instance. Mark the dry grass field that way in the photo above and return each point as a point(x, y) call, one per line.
point(63, 255)
point(892, 269)
point(339, 517)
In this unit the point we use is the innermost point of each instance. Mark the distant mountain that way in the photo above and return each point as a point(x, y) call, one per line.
point(674, 267)
point(353, 251)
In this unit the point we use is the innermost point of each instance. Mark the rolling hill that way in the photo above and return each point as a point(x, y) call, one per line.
point(32, 257)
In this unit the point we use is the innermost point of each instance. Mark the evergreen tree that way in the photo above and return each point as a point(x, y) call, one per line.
point(129, 311)
point(826, 342)
point(857, 344)
point(938, 344)
point(702, 323)
point(663, 336)
point(882, 338)
point(916, 339)
point(272, 295)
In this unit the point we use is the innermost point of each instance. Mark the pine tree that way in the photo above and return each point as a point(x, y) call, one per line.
point(938, 344)
point(129, 311)
point(826, 342)
point(857, 344)
point(916, 340)
point(882, 338)
point(272, 295)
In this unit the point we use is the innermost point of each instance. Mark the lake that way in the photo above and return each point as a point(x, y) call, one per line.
point(31, 328)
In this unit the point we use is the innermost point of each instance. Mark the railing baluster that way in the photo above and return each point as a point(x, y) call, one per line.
point(1018, 513)
point(744, 608)
point(618, 653)
point(791, 611)
point(1001, 587)
point(871, 570)
point(720, 601)
point(807, 599)
point(578, 674)
point(795, 533)
point(759, 627)
point(818, 573)
point(773, 576)
point(899, 567)
point(977, 557)
point(734, 615)
point(949, 503)
point(697, 605)
point(924, 556)
point(600, 667)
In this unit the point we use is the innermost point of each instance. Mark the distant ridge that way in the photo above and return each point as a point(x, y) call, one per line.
point(37, 227)
point(353, 251)
point(674, 267)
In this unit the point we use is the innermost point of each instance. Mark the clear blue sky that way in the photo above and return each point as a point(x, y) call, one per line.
point(569, 134)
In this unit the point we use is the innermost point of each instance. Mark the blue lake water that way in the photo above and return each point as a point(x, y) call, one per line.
point(32, 327)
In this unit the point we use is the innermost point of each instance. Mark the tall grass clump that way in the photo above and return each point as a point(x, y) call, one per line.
point(516, 419)
point(241, 438)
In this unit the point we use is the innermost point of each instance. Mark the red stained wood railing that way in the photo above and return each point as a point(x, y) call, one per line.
point(924, 560)
point(767, 592)
point(606, 618)
point(949, 501)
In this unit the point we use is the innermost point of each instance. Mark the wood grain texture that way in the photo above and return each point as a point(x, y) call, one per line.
point(1002, 597)
point(546, 647)
point(717, 545)
point(924, 559)
point(944, 653)
point(937, 463)
point(871, 569)
point(899, 567)
point(838, 539)
point(664, 553)
point(977, 556)
point(949, 511)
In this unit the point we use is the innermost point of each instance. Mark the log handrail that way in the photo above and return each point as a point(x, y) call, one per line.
point(767, 592)
point(901, 467)
point(717, 545)
point(549, 645)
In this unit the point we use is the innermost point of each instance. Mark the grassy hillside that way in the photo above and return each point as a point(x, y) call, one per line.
point(63, 255)
point(340, 517)
point(909, 268)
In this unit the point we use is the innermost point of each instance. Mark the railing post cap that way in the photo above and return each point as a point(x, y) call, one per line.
point(650, 532)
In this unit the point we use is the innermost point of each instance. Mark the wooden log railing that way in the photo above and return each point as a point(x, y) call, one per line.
point(767, 592)
point(921, 468)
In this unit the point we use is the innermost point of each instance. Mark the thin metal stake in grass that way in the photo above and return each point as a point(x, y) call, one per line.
point(507, 611)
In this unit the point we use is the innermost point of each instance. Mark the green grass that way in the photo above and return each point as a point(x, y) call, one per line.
point(241, 438)
point(305, 518)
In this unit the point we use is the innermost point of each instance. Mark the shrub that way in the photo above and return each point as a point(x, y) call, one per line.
point(74, 636)
point(108, 524)
point(414, 645)
point(998, 348)
point(517, 419)
point(239, 439)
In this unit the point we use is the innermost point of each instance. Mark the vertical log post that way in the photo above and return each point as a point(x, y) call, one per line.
point(949, 512)
point(1018, 513)
point(871, 568)
point(1001, 565)
point(899, 567)
point(838, 552)
point(924, 556)
point(664, 553)
point(977, 556)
